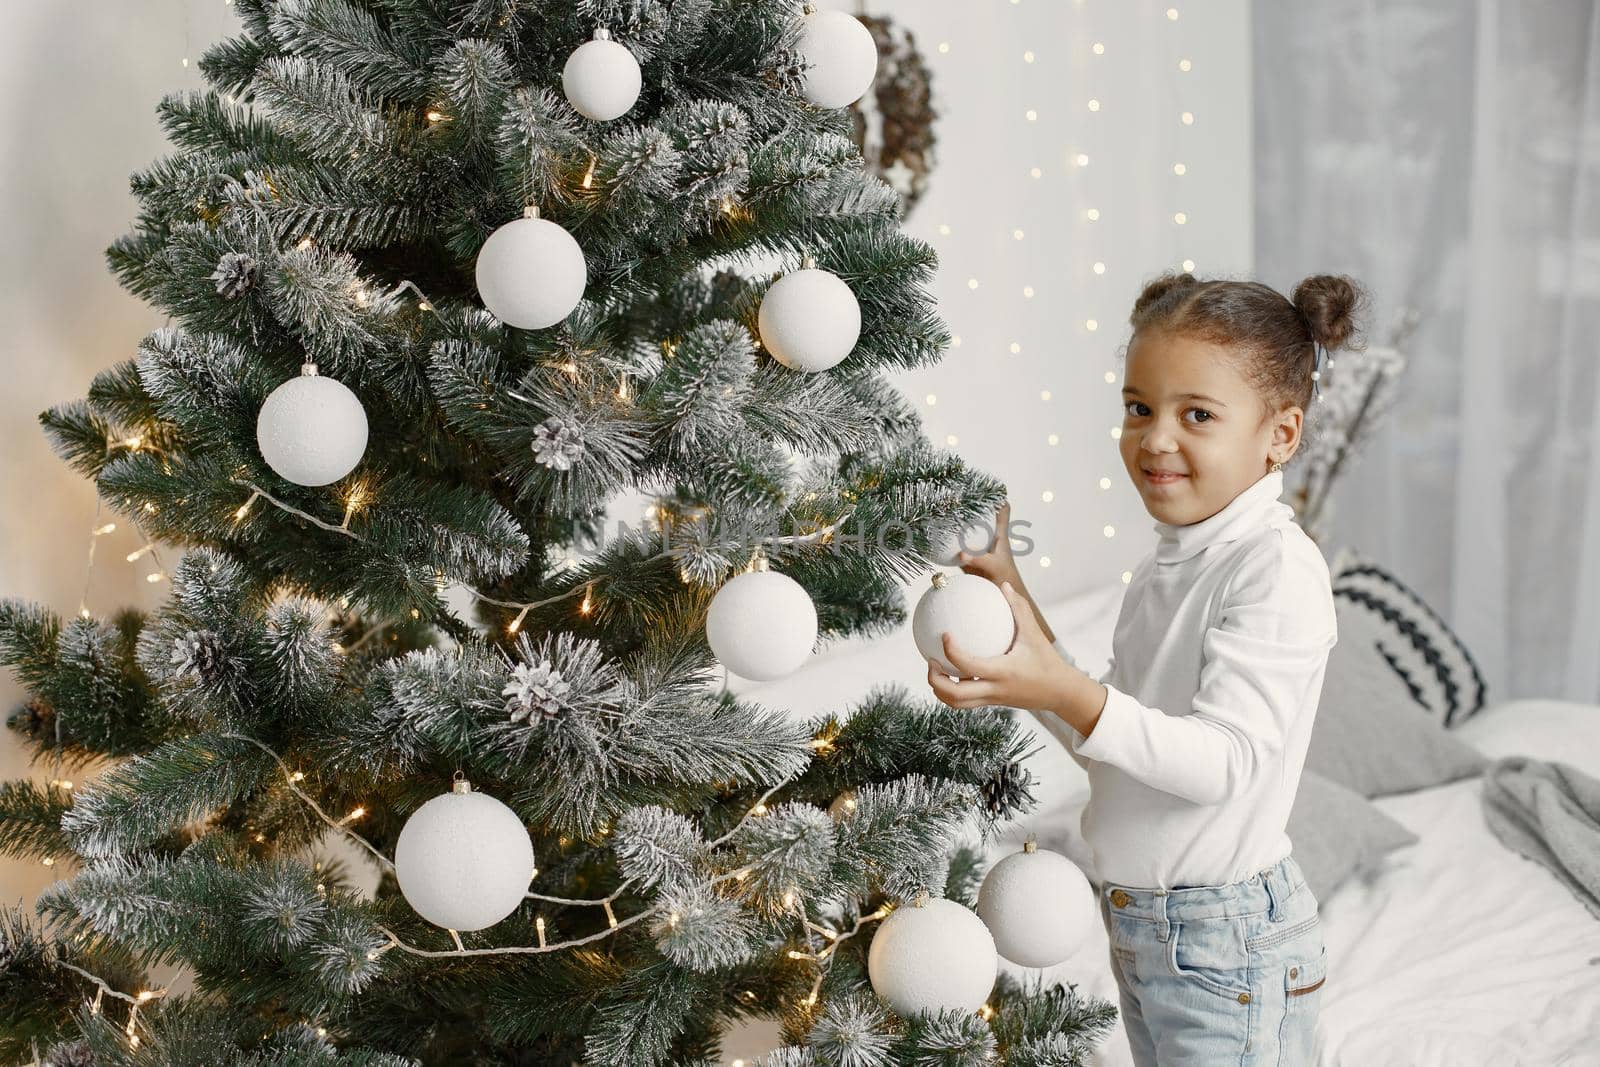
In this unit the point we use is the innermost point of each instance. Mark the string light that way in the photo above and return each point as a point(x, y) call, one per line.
point(244, 509)
point(588, 175)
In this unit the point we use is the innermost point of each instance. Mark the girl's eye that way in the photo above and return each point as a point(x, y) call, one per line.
point(1132, 404)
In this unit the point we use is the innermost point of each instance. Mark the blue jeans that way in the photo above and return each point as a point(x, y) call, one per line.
point(1228, 974)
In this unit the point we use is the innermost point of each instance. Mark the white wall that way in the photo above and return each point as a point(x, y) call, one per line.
point(989, 399)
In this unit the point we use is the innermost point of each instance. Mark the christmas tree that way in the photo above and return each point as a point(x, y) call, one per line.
point(446, 279)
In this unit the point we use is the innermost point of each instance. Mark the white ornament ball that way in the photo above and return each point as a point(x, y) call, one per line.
point(312, 430)
point(841, 58)
point(977, 537)
point(762, 625)
point(972, 609)
point(464, 860)
point(531, 273)
point(809, 320)
point(935, 957)
point(1039, 907)
point(601, 79)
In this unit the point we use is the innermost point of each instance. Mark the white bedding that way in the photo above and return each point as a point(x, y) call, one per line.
point(1453, 952)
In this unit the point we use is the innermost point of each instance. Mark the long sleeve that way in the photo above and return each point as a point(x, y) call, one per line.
point(1261, 660)
point(1056, 726)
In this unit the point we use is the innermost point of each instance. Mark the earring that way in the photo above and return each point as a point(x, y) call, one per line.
point(1277, 466)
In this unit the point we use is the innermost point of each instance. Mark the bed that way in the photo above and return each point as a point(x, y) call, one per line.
point(1453, 952)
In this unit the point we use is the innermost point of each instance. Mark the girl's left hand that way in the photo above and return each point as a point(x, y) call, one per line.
point(1030, 675)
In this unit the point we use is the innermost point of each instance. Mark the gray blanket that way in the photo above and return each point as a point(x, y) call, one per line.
point(1548, 812)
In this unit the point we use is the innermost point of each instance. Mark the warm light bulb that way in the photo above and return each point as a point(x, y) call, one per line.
point(1127, 576)
point(933, 399)
point(1179, 169)
point(1053, 439)
point(1110, 531)
point(1180, 218)
point(1094, 105)
point(1093, 214)
point(1099, 48)
point(1188, 118)
point(1105, 483)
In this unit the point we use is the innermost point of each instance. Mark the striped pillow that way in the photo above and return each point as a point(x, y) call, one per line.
point(1432, 668)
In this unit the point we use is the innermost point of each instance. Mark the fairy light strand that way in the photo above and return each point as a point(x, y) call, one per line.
point(293, 778)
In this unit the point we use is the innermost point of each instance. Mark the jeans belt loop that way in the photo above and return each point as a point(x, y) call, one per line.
point(1163, 926)
point(1276, 892)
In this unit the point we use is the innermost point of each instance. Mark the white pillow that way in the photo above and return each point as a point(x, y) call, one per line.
point(1560, 731)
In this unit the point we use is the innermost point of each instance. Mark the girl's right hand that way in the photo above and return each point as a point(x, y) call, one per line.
point(997, 564)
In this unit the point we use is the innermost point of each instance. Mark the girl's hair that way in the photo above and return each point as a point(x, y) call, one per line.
point(1276, 337)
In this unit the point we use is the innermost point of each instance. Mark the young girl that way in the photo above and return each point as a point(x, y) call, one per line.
point(1194, 738)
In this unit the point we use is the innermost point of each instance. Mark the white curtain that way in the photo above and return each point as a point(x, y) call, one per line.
point(1445, 153)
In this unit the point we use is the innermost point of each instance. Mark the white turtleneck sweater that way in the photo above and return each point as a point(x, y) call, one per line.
point(1216, 671)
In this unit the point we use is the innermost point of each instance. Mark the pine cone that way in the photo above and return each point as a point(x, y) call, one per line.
point(75, 1054)
point(785, 70)
point(236, 274)
point(35, 720)
point(535, 689)
point(201, 653)
point(1007, 791)
point(557, 443)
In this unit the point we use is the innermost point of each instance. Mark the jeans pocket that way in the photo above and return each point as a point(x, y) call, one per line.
point(1305, 975)
point(1211, 953)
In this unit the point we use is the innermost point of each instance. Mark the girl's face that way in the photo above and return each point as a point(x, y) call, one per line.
point(1193, 433)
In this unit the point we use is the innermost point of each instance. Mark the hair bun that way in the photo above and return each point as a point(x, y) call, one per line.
point(1329, 302)
point(1160, 287)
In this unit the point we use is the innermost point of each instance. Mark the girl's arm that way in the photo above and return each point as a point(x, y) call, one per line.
point(1264, 662)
